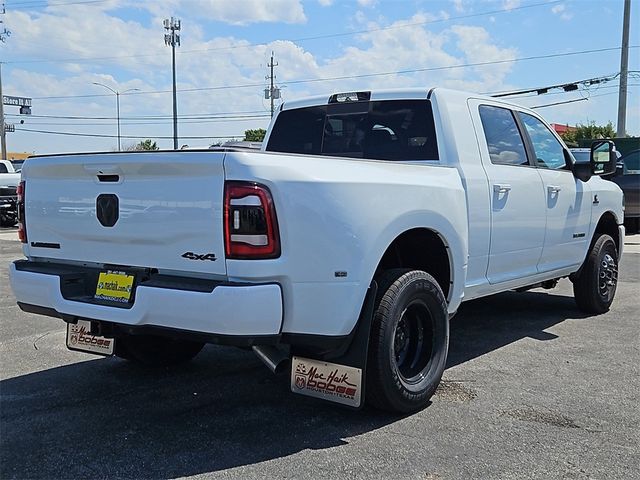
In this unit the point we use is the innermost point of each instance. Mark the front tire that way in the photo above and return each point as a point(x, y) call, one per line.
point(409, 341)
point(154, 351)
point(595, 287)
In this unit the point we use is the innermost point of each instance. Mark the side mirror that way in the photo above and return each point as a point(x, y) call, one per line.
point(603, 158)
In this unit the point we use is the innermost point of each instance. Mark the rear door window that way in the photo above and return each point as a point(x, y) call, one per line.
point(298, 131)
point(501, 132)
point(382, 130)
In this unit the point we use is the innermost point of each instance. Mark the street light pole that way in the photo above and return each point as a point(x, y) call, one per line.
point(118, 117)
point(117, 94)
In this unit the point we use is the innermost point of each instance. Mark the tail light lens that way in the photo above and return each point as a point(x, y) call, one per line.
point(251, 226)
point(22, 226)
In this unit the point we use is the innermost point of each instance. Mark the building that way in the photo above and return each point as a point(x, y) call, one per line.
point(18, 156)
point(562, 129)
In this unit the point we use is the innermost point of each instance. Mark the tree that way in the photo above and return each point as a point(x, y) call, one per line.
point(591, 131)
point(147, 145)
point(256, 135)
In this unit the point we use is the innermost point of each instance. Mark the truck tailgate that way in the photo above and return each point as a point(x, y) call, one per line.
point(167, 208)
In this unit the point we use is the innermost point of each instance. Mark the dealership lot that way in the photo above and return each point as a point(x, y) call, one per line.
point(533, 389)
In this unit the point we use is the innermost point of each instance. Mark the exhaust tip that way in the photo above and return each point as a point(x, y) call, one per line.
point(276, 360)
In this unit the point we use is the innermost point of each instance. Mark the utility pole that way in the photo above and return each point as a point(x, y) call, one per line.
point(4, 33)
point(3, 132)
point(624, 73)
point(172, 39)
point(272, 92)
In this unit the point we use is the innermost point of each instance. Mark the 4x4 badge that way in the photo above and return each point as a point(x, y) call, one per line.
point(196, 256)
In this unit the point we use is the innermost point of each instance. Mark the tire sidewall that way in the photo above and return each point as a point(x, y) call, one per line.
point(411, 394)
point(605, 244)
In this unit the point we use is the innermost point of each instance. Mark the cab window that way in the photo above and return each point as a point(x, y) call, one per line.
point(503, 137)
point(549, 151)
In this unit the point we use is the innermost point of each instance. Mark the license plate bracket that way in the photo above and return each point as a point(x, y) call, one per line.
point(79, 338)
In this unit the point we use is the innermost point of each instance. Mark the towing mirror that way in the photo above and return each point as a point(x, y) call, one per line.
point(603, 158)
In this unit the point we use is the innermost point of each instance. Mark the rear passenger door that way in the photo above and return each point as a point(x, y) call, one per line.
point(568, 200)
point(518, 206)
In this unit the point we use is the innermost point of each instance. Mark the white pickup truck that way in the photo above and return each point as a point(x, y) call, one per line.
point(9, 180)
point(346, 245)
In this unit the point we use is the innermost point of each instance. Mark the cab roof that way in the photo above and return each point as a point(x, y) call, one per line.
point(392, 94)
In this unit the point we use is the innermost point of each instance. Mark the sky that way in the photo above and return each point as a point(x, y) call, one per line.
point(58, 49)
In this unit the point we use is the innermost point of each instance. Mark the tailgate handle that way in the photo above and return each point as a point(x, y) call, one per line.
point(105, 172)
point(108, 178)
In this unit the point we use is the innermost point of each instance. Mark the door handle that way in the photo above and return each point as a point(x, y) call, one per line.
point(501, 187)
point(553, 189)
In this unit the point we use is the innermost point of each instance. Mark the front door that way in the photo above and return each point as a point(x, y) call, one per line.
point(518, 204)
point(568, 200)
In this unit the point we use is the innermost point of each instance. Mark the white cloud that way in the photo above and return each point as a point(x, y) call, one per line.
point(325, 3)
point(235, 12)
point(561, 10)
point(221, 62)
point(477, 46)
point(458, 5)
point(367, 3)
point(510, 4)
point(249, 11)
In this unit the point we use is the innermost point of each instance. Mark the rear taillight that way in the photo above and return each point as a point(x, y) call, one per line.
point(250, 223)
point(22, 226)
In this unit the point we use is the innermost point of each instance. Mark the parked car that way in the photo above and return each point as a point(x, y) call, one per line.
point(17, 165)
point(581, 155)
point(345, 245)
point(628, 179)
point(9, 180)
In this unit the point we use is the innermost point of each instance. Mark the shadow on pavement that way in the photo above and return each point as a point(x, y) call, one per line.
point(487, 324)
point(106, 418)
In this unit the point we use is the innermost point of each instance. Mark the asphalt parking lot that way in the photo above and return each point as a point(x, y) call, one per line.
point(533, 389)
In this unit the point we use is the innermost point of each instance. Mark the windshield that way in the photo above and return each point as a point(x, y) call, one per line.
point(383, 130)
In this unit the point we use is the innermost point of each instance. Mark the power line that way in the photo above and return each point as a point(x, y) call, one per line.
point(100, 135)
point(42, 4)
point(195, 116)
point(164, 120)
point(158, 122)
point(348, 77)
point(544, 90)
point(574, 100)
point(295, 40)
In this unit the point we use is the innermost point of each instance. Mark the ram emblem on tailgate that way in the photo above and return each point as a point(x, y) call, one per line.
point(107, 209)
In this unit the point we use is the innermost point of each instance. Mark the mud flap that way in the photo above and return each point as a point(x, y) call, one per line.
point(342, 380)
